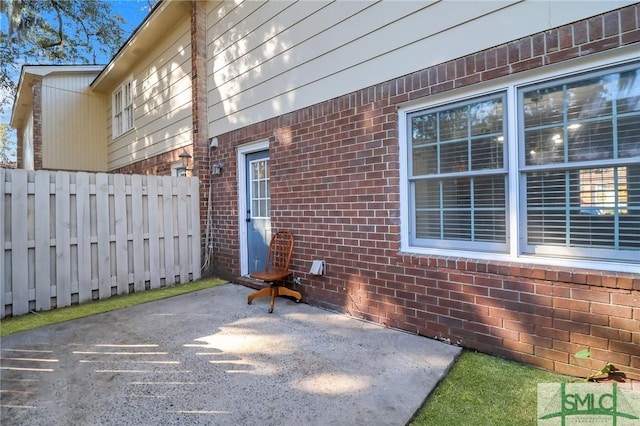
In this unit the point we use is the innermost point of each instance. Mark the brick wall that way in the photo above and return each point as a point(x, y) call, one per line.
point(335, 184)
point(159, 165)
point(37, 125)
point(200, 148)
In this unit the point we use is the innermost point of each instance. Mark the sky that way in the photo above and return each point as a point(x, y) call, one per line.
point(133, 12)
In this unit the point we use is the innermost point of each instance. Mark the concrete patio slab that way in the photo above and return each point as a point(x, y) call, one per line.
point(208, 358)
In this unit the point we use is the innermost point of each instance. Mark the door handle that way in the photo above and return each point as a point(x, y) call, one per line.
point(248, 219)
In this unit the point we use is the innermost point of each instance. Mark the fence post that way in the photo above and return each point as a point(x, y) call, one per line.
point(102, 233)
point(43, 215)
point(19, 239)
point(63, 240)
point(83, 218)
point(154, 237)
point(137, 224)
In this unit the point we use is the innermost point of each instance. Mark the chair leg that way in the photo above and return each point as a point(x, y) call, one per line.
point(260, 293)
point(283, 291)
point(274, 291)
point(274, 294)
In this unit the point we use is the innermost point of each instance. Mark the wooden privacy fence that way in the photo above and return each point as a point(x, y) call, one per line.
point(72, 237)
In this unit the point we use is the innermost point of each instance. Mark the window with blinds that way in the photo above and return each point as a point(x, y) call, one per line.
point(580, 164)
point(458, 175)
point(574, 191)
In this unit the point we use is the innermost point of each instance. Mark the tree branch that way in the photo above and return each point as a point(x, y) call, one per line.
point(56, 7)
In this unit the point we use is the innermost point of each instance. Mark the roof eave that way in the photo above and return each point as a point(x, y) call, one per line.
point(22, 102)
point(162, 16)
point(19, 105)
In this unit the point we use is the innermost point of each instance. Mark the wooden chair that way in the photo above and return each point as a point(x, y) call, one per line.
point(276, 269)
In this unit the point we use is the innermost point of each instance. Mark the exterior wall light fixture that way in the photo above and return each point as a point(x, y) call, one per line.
point(185, 157)
point(216, 169)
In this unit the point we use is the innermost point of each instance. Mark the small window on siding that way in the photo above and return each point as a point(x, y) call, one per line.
point(122, 107)
point(178, 169)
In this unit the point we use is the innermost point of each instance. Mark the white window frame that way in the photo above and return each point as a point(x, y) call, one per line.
point(122, 108)
point(562, 167)
point(488, 246)
point(241, 155)
point(178, 169)
point(510, 84)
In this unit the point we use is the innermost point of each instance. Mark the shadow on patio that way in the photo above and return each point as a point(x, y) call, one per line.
point(209, 358)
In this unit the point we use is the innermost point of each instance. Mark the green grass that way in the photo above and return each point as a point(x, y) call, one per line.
point(40, 319)
point(485, 390)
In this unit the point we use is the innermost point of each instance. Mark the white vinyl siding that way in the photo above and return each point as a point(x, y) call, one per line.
point(162, 113)
point(266, 59)
point(72, 134)
point(572, 164)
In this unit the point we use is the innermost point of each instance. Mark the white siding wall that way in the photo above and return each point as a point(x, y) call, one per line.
point(71, 113)
point(162, 104)
point(270, 58)
point(27, 144)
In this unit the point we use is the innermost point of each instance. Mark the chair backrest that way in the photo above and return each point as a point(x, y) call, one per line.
point(280, 250)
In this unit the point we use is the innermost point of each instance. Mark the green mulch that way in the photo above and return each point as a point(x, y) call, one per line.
point(40, 319)
point(485, 390)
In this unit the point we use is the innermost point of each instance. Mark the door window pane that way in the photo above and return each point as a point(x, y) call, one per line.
point(260, 197)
